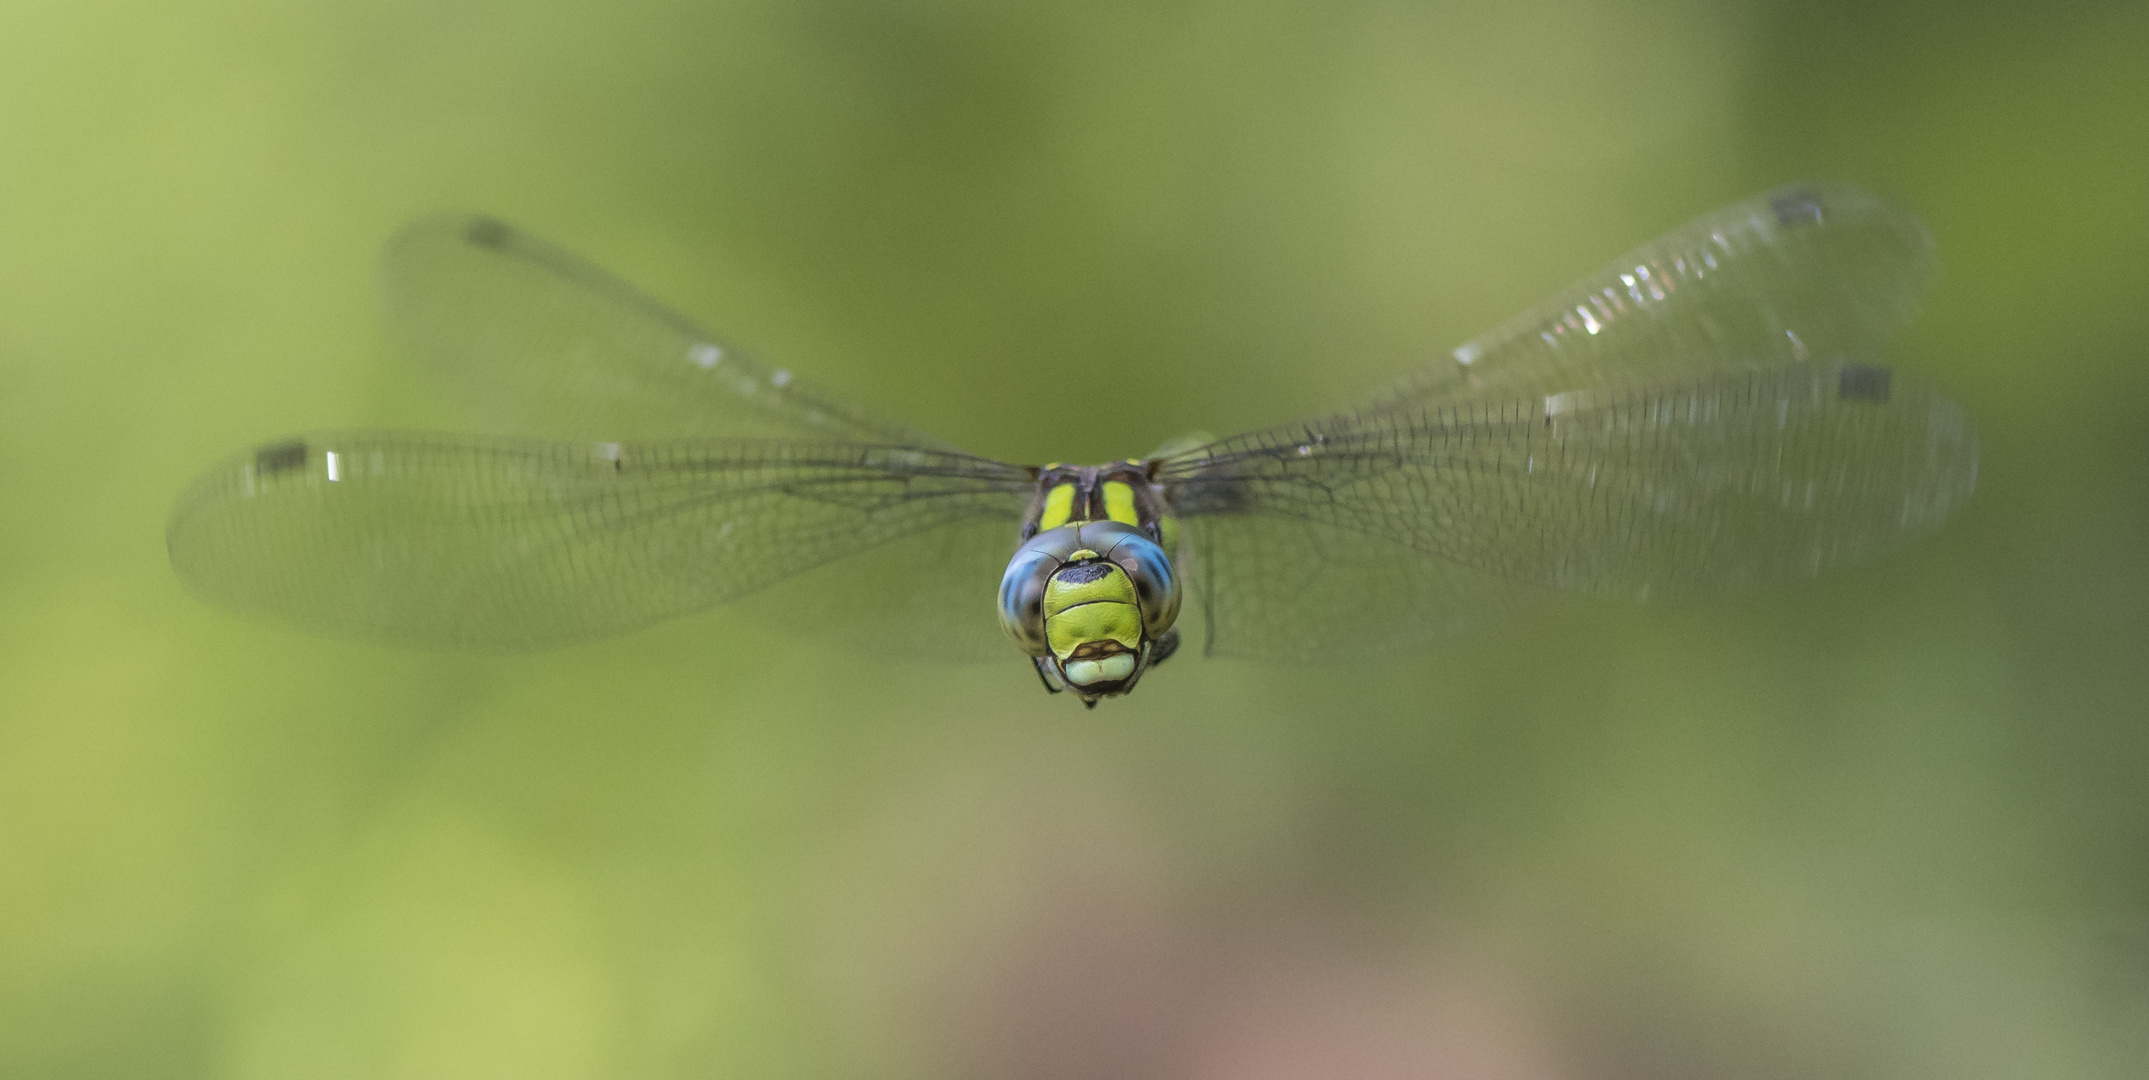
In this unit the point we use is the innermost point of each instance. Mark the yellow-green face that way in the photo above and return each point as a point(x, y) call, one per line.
point(1093, 622)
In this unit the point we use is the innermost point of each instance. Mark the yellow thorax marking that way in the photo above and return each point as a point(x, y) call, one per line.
point(1059, 506)
point(1119, 502)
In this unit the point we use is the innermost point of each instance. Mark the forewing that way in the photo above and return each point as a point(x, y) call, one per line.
point(1365, 531)
point(546, 344)
point(491, 543)
point(1796, 275)
point(1295, 589)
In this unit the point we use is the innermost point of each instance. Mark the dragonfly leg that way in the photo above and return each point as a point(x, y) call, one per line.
point(1162, 647)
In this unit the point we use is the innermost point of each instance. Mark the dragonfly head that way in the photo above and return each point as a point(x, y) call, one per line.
point(1092, 603)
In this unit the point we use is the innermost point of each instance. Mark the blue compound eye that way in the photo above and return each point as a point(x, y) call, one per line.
point(1156, 587)
point(1022, 598)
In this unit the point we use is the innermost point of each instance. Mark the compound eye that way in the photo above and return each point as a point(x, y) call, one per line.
point(1155, 585)
point(1022, 599)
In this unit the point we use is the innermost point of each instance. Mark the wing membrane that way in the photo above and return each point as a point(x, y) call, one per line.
point(495, 544)
point(1795, 275)
point(544, 343)
point(1358, 530)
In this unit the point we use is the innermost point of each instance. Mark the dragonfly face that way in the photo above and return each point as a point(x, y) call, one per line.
point(1705, 413)
point(1091, 594)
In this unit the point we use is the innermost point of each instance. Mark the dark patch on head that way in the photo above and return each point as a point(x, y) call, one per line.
point(1796, 210)
point(280, 457)
point(1085, 573)
point(1862, 382)
point(488, 232)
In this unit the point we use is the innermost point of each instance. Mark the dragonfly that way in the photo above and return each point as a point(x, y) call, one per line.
point(1708, 412)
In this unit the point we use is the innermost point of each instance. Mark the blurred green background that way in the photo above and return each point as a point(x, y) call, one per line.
point(1891, 824)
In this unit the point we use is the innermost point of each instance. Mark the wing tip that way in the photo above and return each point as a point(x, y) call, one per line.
point(1810, 203)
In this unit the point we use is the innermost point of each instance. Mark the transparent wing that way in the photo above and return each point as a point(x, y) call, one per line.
point(546, 344)
point(494, 543)
point(1358, 532)
point(1797, 274)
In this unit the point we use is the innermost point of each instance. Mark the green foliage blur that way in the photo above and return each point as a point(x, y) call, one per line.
point(1894, 823)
